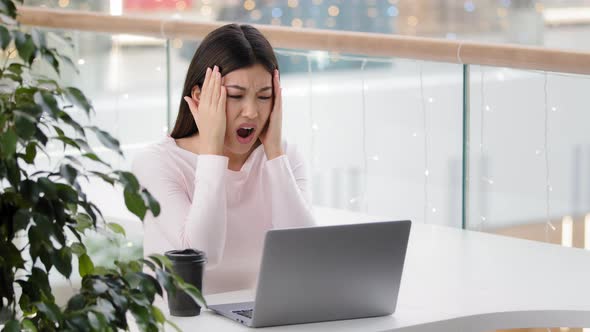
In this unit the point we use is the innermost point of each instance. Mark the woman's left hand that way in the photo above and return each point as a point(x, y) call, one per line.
point(271, 136)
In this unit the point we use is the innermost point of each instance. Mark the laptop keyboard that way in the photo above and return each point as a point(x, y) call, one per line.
point(245, 313)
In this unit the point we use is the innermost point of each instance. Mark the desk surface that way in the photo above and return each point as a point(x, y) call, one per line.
point(457, 280)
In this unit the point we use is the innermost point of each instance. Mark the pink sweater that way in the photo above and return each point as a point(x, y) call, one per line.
point(225, 213)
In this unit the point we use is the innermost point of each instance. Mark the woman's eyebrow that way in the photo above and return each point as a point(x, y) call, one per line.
point(244, 89)
point(236, 87)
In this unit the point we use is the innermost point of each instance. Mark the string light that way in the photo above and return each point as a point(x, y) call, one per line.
point(297, 23)
point(333, 11)
point(206, 10)
point(469, 6)
point(364, 87)
point(392, 11)
point(181, 5)
point(372, 12)
point(412, 21)
point(293, 3)
point(177, 43)
point(482, 152)
point(425, 128)
point(249, 5)
point(314, 126)
point(277, 12)
point(81, 61)
point(546, 154)
point(256, 15)
point(64, 3)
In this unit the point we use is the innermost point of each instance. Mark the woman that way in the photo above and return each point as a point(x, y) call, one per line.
point(224, 176)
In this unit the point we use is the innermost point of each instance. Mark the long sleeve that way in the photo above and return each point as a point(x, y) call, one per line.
point(290, 195)
point(199, 224)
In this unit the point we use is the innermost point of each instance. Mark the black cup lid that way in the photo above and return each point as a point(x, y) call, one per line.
point(186, 255)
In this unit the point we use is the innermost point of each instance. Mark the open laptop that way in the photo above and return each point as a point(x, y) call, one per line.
point(326, 273)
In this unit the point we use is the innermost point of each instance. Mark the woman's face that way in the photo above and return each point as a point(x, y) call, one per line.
point(248, 106)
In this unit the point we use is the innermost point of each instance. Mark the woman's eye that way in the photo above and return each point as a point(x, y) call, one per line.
point(264, 98)
point(235, 97)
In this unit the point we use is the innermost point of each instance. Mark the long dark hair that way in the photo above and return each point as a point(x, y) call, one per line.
point(230, 47)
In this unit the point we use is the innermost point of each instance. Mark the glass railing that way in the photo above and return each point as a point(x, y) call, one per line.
point(529, 154)
point(383, 137)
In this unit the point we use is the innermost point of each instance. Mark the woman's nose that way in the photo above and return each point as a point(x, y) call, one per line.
point(250, 111)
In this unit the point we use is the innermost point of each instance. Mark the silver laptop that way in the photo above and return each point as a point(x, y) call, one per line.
point(326, 273)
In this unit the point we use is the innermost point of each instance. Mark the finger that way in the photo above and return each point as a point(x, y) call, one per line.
point(216, 89)
point(278, 92)
point(205, 94)
point(221, 103)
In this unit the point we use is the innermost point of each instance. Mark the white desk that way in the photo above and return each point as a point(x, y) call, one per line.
point(458, 280)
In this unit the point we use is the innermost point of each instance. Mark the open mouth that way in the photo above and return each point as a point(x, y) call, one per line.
point(245, 134)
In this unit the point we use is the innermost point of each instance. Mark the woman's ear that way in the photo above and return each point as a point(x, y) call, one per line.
point(196, 94)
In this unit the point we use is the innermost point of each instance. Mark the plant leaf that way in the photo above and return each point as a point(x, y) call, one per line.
point(25, 46)
point(47, 102)
point(158, 315)
point(85, 265)
point(116, 228)
point(69, 173)
point(11, 326)
point(24, 125)
point(152, 202)
point(8, 143)
point(28, 325)
point(31, 152)
point(78, 248)
point(78, 98)
point(129, 180)
point(106, 139)
point(5, 37)
point(51, 310)
point(135, 203)
point(62, 260)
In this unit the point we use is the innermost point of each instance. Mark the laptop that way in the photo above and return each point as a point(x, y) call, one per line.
point(326, 273)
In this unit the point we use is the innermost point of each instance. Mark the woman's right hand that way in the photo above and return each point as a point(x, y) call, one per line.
point(209, 113)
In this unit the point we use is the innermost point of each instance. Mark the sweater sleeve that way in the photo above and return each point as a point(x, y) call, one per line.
point(290, 195)
point(199, 224)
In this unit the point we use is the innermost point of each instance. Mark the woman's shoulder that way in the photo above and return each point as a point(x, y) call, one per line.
point(292, 151)
point(154, 156)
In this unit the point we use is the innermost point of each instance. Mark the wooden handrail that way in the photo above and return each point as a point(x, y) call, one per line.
point(368, 44)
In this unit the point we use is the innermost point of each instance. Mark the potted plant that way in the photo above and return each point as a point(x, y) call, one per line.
point(48, 209)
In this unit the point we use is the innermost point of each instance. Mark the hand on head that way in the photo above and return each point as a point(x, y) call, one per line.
point(271, 136)
point(208, 110)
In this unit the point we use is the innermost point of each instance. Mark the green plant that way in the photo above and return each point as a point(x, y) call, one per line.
point(49, 210)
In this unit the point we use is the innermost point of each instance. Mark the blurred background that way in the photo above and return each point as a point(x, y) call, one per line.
point(383, 136)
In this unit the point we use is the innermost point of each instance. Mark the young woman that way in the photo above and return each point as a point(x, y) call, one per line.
point(224, 176)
